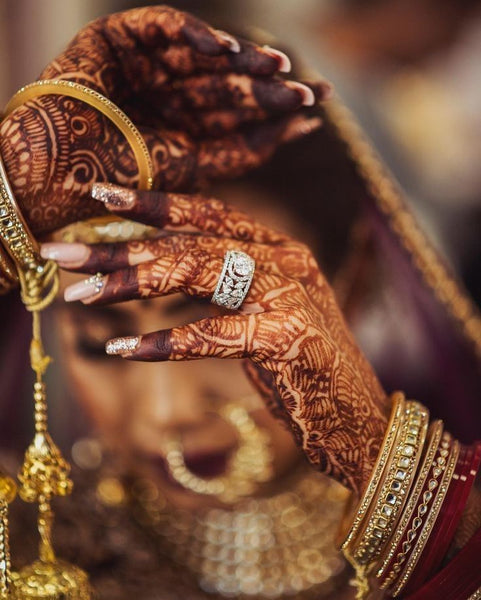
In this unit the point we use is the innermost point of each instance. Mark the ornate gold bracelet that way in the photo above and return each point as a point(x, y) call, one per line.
point(393, 493)
point(37, 276)
point(450, 465)
point(14, 232)
point(102, 104)
point(397, 414)
point(435, 433)
point(8, 273)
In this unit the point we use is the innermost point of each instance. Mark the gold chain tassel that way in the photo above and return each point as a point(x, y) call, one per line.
point(44, 473)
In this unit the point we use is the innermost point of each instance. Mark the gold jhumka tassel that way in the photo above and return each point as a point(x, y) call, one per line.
point(44, 473)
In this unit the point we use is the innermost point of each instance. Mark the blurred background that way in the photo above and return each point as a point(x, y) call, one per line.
point(409, 69)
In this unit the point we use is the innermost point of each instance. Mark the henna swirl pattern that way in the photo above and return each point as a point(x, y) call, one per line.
point(206, 104)
point(289, 325)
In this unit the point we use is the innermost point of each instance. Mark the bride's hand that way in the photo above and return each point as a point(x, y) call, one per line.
point(206, 104)
point(289, 325)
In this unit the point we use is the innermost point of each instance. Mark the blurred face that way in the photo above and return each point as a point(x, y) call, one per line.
point(136, 407)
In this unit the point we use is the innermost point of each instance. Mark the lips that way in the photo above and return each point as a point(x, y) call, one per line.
point(208, 465)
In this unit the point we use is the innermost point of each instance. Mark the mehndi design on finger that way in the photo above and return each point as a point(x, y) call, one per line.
point(336, 406)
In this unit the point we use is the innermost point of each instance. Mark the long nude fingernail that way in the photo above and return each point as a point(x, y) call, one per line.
point(123, 345)
point(283, 60)
point(113, 195)
point(308, 97)
point(234, 45)
point(84, 289)
point(65, 253)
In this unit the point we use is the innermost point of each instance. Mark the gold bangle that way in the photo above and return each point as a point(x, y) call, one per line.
point(430, 519)
point(101, 103)
point(8, 274)
point(14, 232)
point(397, 482)
point(395, 421)
point(38, 277)
point(435, 433)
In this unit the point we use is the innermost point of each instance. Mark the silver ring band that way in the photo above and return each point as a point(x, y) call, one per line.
point(235, 280)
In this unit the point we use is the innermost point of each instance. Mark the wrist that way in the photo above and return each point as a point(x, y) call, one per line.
point(51, 149)
point(23, 139)
point(416, 501)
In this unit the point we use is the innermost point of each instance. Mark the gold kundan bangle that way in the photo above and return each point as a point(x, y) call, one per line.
point(14, 232)
point(435, 433)
point(8, 274)
point(37, 276)
point(101, 103)
point(396, 485)
point(395, 421)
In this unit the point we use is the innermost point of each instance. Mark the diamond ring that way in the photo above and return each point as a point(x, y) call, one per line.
point(235, 280)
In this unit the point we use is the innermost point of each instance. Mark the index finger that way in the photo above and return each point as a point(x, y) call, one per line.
point(182, 212)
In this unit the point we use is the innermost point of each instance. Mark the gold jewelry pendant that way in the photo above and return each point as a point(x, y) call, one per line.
point(50, 581)
point(45, 474)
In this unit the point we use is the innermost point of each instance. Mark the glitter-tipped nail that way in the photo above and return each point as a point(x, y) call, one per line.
point(122, 345)
point(113, 195)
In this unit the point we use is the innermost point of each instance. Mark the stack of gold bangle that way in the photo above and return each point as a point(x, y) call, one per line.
point(434, 439)
point(402, 500)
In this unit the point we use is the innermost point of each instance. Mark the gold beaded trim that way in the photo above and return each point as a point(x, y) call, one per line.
point(396, 484)
point(438, 467)
point(435, 433)
point(432, 517)
point(389, 199)
point(476, 595)
point(395, 422)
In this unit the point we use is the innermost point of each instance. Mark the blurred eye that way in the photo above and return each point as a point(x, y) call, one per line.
point(90, 348)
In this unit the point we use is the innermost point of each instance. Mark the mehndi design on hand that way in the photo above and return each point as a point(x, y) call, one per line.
point(289, 324)
point(191, 90)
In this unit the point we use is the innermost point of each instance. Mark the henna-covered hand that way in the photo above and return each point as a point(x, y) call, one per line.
point(289, 325)
point(192, 91)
